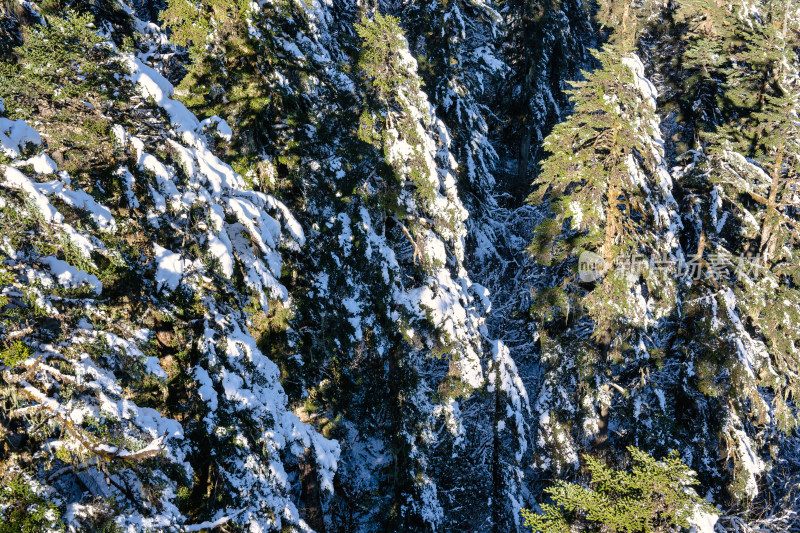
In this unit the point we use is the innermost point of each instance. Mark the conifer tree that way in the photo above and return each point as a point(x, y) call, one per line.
point(240, 57)
point(743, 236)
point(510, 440)
point(708, 36)
point(653, 496)
point(456, 48)
point(611, 202)
point(459, 62)
point(246, 299)
point(549, 42)
point(397, 121)
point(110, 405)
point(64, 60)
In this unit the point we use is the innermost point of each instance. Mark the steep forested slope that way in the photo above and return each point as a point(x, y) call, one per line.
point(395, 266)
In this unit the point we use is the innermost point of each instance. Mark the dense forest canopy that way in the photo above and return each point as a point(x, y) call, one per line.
point(453, 266)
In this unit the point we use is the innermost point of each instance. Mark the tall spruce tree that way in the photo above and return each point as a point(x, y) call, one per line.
point(707, 37)
point(548, 43)
point(738, 212)
point(610, 199)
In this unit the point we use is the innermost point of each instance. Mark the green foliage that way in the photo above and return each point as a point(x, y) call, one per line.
point(596, 202)
point(65, 59)
point(232, 74)
point(6, 278)
point(757, 59)
point(380, 58)
point(215, 33)
point(396, 111)
point(760, 194)
point(368, 130)
point(189, 21)
point(652, 496)
point(15, 353)
point(602, 182)
point(214, 24)
point(588, 150)
point(23, 511)
point(708, 37)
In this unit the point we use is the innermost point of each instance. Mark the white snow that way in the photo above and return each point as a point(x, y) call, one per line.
point(15, 135)
point(435, 249)
point(129, 180)
point(702, 522)
point(222, 128)
point(576, 212)
point(160, 90)
point(354, 308)
point(751, 351)
point(42, 164)
point(506, 377)
point(85, 244)
point(645, 86)
point(169, 268)
point(207, 525)
point(489, 59)
point(77, 199)
point(69, 276)
point(206, 389)
point(750, 462)
point(17, 180)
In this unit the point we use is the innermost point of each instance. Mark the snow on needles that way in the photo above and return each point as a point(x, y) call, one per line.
point(245, 228)
point(241, 230)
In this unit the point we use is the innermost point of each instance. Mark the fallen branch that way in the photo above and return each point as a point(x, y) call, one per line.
point(417, 251)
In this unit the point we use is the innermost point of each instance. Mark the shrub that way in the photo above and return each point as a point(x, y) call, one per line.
point(652, 496)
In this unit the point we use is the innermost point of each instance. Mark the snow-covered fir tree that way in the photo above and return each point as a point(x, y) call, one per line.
point(462, 266)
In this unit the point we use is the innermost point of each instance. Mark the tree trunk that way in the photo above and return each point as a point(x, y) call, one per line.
point(497, 474)
point(524, 158)
point(765, 245)
point(601, 441)
point(311, 493)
